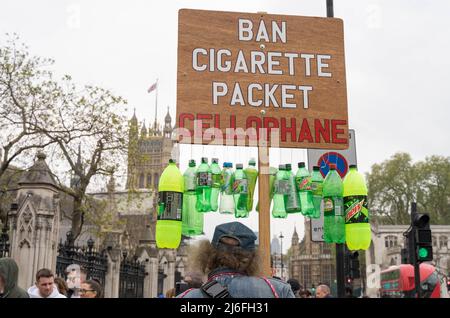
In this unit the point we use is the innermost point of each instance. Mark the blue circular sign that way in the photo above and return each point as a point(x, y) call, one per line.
point(333, 158)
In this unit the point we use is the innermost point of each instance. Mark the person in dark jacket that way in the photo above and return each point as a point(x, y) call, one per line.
point(9, 274)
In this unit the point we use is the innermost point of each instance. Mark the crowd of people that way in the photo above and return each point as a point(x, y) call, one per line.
point(46, 284)
point(227, 267)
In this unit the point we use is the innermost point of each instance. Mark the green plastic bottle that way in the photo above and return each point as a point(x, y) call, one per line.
point(252, 175)
point(303, 181)
point(203, 186)
point(240, 190)
point(357, 227)
point(291, 199)
point(192, 220)
point(272, 176)
point(281, 186)
point(334, 219)
point(170, 203)
point(316, 188)
point(216, 176)
point(226, 195)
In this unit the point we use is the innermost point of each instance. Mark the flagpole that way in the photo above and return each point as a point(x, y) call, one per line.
point(156, 105)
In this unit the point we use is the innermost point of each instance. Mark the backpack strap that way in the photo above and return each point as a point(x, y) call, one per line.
point(213, 289)
point(185, 292)
point(274, 292)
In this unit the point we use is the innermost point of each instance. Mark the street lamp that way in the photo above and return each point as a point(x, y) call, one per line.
point(281, 254)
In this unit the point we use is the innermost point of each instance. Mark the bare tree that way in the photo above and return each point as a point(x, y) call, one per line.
point(91, 137)
point(28, 95)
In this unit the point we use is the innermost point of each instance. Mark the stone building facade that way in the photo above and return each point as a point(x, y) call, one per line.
point(34, 221)
point(149, 152)
point(311, 263)
point(39, 217)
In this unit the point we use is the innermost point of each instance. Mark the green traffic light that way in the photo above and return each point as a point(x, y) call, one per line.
point(423, 252)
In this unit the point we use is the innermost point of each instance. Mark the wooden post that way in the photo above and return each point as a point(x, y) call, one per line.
point(264, 206)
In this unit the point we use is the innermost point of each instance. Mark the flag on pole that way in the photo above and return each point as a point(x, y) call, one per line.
point(152, 88)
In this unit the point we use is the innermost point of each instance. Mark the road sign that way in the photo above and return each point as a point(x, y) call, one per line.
point(317, 227)
point(332, 157)
point(322, 158)
point(232, 66)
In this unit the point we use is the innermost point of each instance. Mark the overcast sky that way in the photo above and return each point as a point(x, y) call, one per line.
point(396, 53)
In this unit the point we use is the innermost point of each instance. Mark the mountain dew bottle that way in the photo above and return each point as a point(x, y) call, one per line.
point(281, 188)
point(240, 190)
point(216, 183)
point(192, 220)
point(252, 175)
point(334, 220)
point(316, 188)
point(357, 227)
point(170, 203)
point(203, 186)
point(303, 181)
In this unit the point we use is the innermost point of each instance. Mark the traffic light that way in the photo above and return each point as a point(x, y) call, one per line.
point(423, 246)
point(354, 265)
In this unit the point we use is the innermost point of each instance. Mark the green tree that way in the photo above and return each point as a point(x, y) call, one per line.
point(397, 182)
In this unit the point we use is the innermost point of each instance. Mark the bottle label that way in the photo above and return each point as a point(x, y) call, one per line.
point(227, 183)
point(189, 183)
point(216, 180)
point(204, 179)
point(282, 187)
point(240, 186)
point(356, 209)
point(303, 183)
point(333, 206)
point(169, 205)
point(316, 188)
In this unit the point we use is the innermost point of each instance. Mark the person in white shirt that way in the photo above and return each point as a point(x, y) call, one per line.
point(45, 286)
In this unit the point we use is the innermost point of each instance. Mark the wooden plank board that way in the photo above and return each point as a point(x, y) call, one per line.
point(291, 61)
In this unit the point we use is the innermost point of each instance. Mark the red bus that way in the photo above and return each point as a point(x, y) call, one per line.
point(398, 282)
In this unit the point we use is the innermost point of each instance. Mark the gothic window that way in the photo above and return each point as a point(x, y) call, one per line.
point(443, 242)
point(155, 179)
point(324, 249)
point(306, 274)
point(390, 241)
point(434, 239)
point(141, 181)
point(149, 180)
point(327, 271)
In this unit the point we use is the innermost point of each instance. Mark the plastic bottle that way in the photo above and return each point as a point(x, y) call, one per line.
point(291, 199)
point(334, 220)
point(272, 176)
point(303, 180)
point(252, 175)
point(226, 197)
point(357, 227)
point(170, 203)
point(281, 187)
point(192, 220)
point(316, 188)
point(240, 190)
point(203, 186)
point(216, 183)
